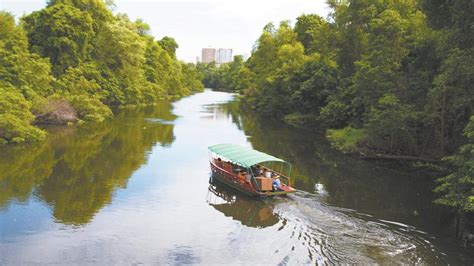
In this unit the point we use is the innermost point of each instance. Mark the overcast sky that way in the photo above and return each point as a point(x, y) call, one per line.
point(196, 24)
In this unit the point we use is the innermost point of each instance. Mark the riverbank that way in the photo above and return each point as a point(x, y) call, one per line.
point(67, 112)
point(425, 169)
point(71, 62)
point(70, 190)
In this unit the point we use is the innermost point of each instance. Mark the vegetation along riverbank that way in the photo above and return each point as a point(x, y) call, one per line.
point(74, 60)
point(383, 79)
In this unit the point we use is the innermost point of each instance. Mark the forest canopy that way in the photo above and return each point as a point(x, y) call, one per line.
point(79, 54)
point(391, 78)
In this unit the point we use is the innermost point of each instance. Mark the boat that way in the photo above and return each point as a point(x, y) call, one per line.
point(250, 171)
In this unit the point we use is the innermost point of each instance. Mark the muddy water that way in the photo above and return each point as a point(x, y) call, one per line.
point(136, 190)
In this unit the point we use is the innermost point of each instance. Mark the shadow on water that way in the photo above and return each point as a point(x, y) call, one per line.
point(77, 169)
point(248, 211)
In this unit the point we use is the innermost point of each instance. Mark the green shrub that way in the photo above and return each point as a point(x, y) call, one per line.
point(89, 109)
point(15, 118)
point(301, 120)
point(15, 130)
point(347, 139)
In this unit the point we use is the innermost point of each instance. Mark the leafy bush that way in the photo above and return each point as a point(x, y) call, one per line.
point(301, 120)
point(347, 139)
point(90, 109)
point(16, 130)
point(457, 188)
point(391, 126)
point(15, 118)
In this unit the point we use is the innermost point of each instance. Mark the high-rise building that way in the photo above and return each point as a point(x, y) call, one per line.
point(208, 55)
point(223, 56)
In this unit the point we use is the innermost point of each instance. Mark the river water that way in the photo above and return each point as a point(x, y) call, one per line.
point(136, 189)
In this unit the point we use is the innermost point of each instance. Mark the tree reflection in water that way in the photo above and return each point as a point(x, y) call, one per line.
point(378, 188)
point(249, 211)
point(77, 169)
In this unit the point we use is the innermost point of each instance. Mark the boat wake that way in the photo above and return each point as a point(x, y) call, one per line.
point(325, 234)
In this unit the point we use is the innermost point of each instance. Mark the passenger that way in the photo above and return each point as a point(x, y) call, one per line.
point(256, 170)
point(276, 183)
point(242, 176)
point(253, 169)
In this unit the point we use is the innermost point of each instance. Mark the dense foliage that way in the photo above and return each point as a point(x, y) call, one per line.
point(386, 77)
point(80, 52)
point(458, 187)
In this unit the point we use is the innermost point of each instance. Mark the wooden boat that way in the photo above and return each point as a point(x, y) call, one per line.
point(249, 171)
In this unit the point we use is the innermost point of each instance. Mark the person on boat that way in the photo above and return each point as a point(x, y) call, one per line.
point(242, 176)
point(255, 170)
point(276, 183)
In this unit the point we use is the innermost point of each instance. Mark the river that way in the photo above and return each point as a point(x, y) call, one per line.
point(136, 189)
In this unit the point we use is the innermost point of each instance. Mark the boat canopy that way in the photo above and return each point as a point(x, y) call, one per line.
point(242, 155)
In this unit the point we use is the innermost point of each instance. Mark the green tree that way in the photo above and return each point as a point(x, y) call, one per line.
point(317, 81)
point(62, 33)
point(16, 118)
point(391, 126)
point(277, 57)
point(457, 188)
point(315, 34)
point(170, 45)
point(29, 73)
point(451, 100)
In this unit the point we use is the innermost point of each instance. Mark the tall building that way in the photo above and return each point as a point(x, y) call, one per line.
point(223, 56)
point(208, 55)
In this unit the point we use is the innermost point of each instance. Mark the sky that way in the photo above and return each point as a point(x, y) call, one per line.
point(197, 24)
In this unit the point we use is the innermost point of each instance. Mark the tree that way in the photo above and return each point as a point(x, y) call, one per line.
point(29, 73)
point(315, 34)
point(457, 188)
point(453, 18)
point(61, 32)
point(391, 126)
point(16, 118)
point(170, 45)
point(98, 59)
point(451, 99)
point(311, 87)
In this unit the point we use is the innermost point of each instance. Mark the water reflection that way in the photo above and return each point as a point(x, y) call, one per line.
point(77, 170)
point(62, 200)
point(369, 187)
point(246, 210)
point(378, 192)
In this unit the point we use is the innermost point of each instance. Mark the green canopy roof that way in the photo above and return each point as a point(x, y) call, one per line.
point(242, 155)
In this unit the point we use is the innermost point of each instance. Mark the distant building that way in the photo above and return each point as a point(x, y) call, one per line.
point(208, 55)
point(223, 56)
